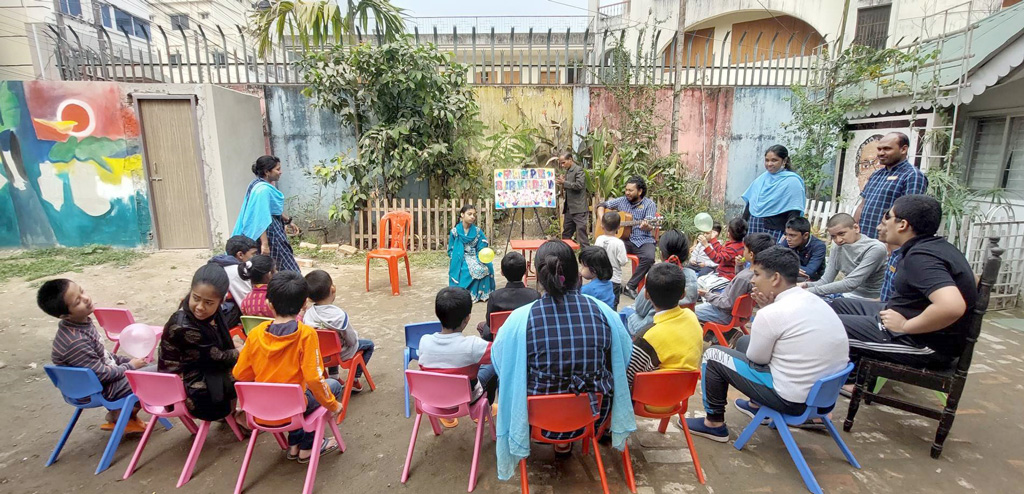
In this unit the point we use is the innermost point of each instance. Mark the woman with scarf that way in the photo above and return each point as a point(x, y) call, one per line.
point(465, 269)
point(196, 346)
point(774, 197)
point(262, 216)
point(674, 247)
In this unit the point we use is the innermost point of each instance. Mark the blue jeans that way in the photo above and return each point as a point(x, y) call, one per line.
point(709, 313)
point(305, 439)
point(365, 346)
point(488, 378)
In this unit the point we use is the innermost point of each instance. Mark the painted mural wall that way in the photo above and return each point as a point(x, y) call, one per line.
point(71, 169)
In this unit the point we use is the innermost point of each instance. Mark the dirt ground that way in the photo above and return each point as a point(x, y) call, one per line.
point(983, 454)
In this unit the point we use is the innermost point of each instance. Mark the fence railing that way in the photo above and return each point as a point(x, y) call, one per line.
point(432, 220)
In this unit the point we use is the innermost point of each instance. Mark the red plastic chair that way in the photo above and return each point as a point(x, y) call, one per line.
point(397, 223)
point(270, 403)
point(662, 395)
point(497, 320)
point(446, 396)
point(113, 321)
point(742, 309)
point(163, 396)
point(330, 351)
point(634, 261)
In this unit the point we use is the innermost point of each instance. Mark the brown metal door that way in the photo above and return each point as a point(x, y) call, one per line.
point(173, 168)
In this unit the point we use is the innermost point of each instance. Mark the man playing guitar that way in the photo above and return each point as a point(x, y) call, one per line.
point(641, 241)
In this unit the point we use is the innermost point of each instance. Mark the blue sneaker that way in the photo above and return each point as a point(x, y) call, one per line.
point(744, 407)
point(717, 434)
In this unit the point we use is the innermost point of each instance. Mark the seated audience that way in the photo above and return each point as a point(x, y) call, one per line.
point(597, 270)
point(674, 342)
point(860, 258)
point(514, 295)
point(810, 249)
point(325, 315)
point(673, 245)
point(699, 261)
point(258, 270)
point(724, 255)
point(717, 306)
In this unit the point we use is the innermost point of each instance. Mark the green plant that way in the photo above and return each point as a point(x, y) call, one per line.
point(39, 263)
point(604, 177)
point(512, 147)
point(681, 194)
point(316, 22)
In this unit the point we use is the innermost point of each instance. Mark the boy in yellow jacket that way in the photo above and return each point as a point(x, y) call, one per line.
point(286, 351)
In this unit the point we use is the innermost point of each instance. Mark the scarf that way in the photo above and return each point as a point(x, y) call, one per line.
point(775, 193)
point(262, 202)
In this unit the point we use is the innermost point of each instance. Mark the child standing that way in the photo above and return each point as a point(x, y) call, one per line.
point(515, 294)
point(287, 351)
point(675, 341)
point(325, 315)
point(259, 271)
point(598, 269)
point(615, 249)
point(238, 251)
point(77, 344)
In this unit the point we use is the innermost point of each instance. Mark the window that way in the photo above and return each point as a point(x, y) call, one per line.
point(219, 59)
point(997, 154)
point(71, 7)
point(105, 14)
point(179, 20)
point(873, 26)
point(174, 59)
point(126, 22)
point(204, 15)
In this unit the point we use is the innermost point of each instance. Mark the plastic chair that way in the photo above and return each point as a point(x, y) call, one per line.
point(564, 413)
point(397, 224)
point(446, 396)
point(163, 396)
point(270, 403)
point(82, 389)
point(113, 321)
point(742, 309)
point(413, 333)
point(662, 395)
point(250, 322)
point(497, 319)
point(634, 261)
point(330, 352)
point(820, 401)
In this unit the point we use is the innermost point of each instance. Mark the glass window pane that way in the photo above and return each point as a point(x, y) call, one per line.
point(105, 14)
point(123, 21)
point(1015, 156)
point(986, 154)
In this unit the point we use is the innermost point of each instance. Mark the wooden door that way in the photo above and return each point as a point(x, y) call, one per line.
point(173, 169)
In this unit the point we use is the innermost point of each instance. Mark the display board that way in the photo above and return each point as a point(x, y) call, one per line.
point(524, 188)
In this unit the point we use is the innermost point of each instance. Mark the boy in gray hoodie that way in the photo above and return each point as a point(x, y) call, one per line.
point(324, 315)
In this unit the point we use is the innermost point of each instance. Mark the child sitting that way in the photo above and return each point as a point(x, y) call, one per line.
point(238, 251)
point(287, 351)
point(718, 305)
point(598, 269)
point(451, 353)
point(259, 270)
point(77, 344)
point(515, 294)
point(724, 255)
point(699, 261)
point(673, 245)
point(615, 249)
point(674, 342)
point(325, 315)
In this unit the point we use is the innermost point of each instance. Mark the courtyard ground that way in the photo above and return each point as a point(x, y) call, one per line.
point(984, 453)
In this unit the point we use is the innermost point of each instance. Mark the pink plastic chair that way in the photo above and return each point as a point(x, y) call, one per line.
point(282, 404)
point(445, 396)
point(163, 396)
point(113, 321)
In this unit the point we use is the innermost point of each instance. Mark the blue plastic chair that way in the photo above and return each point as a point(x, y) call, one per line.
point(413, 333)
point(823, 396)
point(82, 389)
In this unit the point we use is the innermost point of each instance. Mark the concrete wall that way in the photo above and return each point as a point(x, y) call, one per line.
point(757, 116)
point(549, 109)
point(239, 126)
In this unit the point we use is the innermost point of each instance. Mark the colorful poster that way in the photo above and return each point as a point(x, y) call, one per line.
point(524, 188)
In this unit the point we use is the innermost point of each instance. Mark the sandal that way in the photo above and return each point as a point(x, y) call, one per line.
point(563, 451)
point(449, 423)
point(329, 445)
point(288, 455)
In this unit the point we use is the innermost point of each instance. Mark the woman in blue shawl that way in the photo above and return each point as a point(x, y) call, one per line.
point(262, 216)
point(465, 269)
point(774, 197)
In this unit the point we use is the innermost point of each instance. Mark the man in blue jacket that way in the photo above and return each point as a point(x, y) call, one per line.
point(809, 248)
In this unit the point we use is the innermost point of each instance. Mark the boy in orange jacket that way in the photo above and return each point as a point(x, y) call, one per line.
point(287, 351)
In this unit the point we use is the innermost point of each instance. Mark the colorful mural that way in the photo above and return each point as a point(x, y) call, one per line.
point(71, 169)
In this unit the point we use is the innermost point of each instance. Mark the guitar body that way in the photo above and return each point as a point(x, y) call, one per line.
point(623, 232)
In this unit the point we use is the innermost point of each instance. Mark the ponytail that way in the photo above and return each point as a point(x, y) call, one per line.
point(257, 269)
point(557, 270)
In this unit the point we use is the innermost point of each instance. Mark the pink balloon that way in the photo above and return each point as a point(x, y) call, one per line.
point(138, 340)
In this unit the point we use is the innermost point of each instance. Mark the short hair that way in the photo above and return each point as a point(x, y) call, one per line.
point(840, 219)
point(923, 213)
point(640, 183)
point(596, 260)
point(239, 243)
point(758, 242)
point(782, 260)
point(264, 164)
point(50, 297)
point(319, 283)
point(902, 140)
point(566, 155)
point(799, 224)
point(717, 226)
point(611, 221)
point(288, 292)
point(513, 266)
point(674, 243)
point(737, 228)
point(452, 305)
point(664, 285)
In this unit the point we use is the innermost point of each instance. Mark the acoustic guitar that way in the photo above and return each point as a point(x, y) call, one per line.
point(626, 224)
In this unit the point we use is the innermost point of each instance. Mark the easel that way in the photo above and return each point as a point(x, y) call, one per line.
point(521, 212)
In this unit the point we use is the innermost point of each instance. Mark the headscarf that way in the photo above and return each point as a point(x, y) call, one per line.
point(262, 202)
point(775, 193)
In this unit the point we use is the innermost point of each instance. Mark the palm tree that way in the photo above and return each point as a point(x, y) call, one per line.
point(314, 22)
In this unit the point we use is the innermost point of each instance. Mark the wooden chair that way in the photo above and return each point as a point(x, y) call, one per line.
point(949, 381)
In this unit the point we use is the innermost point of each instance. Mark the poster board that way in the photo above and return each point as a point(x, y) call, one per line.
point(524, 188)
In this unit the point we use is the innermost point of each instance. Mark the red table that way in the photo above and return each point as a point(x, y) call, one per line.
point(528, 247)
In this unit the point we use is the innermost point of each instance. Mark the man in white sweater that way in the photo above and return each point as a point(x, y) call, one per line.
point(860, 258)
point(795, 340)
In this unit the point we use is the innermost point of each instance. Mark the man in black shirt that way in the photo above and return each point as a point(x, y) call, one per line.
point(925, 322)
point(515, 294)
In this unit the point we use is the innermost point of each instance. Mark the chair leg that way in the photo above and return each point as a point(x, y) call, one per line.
point(166, 423)
point(600, 465)
point(366, 374)
point(798, 459)
point(281, 440)
point(663, 426)
point(245, 461)
point(393, 275)
point(412, 446)
point(189, 424)
point(230, 419)
point(193, 455)
point(337, 434)
point(855, 398)
point(524, 482)
point(408, 273)
point(406, 379)
point(117, 433)
point(476, 447)
point(839, 441)
point(64, 437)
point(750, 429)
point(627, 469)
point(117, 345)
point(368, 276)
point(435, 424)
point(314, 459)
point(693, 450)
point(139, 448)
point(347, 390)
point(945, 424)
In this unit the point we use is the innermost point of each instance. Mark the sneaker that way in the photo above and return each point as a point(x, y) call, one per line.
point(746, 409)
point(356, 386)
point(697, 428)
point(450, 423)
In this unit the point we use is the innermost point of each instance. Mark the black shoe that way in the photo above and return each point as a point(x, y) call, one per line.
point(629, 292)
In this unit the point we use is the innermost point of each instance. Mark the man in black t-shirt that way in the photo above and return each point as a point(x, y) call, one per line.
point(925, 322)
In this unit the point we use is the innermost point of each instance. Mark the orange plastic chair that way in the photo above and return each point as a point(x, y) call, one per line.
point(497, 319)
point(330, 352)
point(742, 309)
point(397, 224)
point(634, 261)
point(662, 395)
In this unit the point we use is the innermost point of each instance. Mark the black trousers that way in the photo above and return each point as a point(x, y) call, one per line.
point(646, 254)
point(576, 223)
point(724, 366)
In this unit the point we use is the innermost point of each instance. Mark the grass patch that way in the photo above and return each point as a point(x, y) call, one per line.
point(40, 263)
point(427, 259)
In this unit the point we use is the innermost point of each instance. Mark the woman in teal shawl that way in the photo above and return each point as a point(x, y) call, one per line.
point(262, 216)
point(774, 197)
point(465, 269)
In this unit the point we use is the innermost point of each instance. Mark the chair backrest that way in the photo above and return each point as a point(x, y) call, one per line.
point(440, 391)
point(497, 319)
point(250, 322)
point(989, 275)
point(825, 392)
point(156, 389)
point(75, 383)
point(664, 388)
point(560, 413)
point(271, 402)
point(330, 343)
point(743, 307)
point(415, 331)
point(394, 224)
point(625, 319)
point(113, 321)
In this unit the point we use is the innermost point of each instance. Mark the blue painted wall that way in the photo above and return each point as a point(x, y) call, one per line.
point(757, 117)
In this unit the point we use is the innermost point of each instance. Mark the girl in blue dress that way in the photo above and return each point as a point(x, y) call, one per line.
point(465, 270)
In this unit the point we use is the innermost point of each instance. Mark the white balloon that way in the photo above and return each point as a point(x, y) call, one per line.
point(138, 340)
